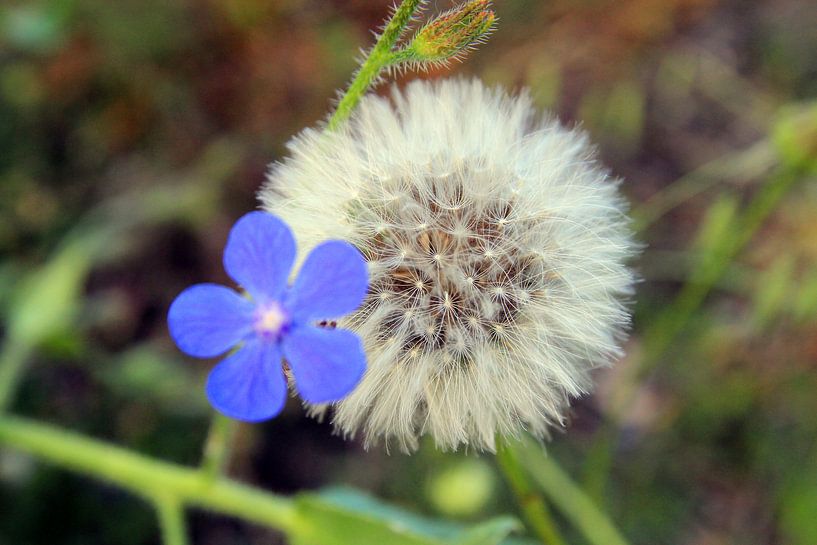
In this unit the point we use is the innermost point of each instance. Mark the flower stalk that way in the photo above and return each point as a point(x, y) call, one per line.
point(566, 495)
point(147, 477)
point(448, 36)
point(171, 520)
point(533, 506)
point(217, 446)
point(379, 58)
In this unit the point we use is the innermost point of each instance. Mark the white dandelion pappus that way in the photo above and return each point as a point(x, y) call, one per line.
point(496, 248)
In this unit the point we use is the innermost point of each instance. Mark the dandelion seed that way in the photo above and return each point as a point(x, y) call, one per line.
point(206, 320)
point(496, 247)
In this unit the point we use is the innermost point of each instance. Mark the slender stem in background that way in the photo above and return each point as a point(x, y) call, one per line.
point(743, 164)
point(379, 57)
point(13, 357)
point(669, 324)
point(566, 495)
point(145, 476)
point(533, 506)
point(171, 520)
point(217, 446)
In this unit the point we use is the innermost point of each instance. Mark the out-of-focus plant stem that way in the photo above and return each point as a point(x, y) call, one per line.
point(147, 477)
point(749, 163)
point(533, 506)
point(217, 446)
point(670, 323)
point(378, 58)
point(672, 320)
point(564, 494)
point(171, 520)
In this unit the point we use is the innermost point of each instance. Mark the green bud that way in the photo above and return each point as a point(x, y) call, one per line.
point(451, 34)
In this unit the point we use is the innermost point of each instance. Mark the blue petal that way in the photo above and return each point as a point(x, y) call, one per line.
point(249, 385)
point(332, 282)
point(327, 363)
point(206, 320)
point(259, 255)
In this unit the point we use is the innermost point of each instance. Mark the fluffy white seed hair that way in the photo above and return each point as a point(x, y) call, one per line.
point(496, 249)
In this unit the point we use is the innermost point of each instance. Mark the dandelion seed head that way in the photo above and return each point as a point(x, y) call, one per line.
point(496, 248)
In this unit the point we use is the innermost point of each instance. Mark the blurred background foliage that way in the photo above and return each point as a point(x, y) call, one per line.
point(133, 133)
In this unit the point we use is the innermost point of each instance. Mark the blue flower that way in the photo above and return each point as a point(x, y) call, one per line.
point(278, 321)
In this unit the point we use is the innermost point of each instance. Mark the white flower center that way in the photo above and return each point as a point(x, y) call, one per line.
point(271, 320)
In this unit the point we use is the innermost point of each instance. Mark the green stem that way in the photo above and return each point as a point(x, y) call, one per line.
point(145, 476)
point(171, 520)
point(13, 358)
point(567, 496)
point(217, 446)
point(533, 506)
point(379, 57)
point(670, 323)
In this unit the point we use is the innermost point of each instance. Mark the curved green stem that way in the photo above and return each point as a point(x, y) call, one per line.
point(533, 506)
point(145, 476)
point(217, 446)
point(379, 57)
point(171, 520)
point(566, 495)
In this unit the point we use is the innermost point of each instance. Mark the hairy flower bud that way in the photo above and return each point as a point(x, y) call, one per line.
point(496, 248)
point(452, 33)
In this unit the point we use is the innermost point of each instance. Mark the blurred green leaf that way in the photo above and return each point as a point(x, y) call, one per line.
point(146, 373)
point(489, 533)
point(46, 301)
point(342, 516)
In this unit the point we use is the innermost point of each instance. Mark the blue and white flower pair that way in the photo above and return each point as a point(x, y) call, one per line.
point(275, 322)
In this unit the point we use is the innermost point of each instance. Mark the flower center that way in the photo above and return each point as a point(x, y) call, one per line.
point(270, 321)
point(457, 268)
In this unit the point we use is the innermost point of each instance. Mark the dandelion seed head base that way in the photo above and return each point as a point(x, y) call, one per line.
point(464, 273)
point(496, 249)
